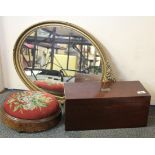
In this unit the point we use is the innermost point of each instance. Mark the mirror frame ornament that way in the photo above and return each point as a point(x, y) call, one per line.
point(106, 68)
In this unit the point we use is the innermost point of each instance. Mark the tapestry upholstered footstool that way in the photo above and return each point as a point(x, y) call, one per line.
point(30, 111)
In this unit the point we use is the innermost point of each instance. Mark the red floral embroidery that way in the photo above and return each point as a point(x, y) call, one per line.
point(31, 104)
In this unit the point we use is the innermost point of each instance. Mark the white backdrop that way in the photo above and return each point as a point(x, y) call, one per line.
point(129, 43)
point(1, 77)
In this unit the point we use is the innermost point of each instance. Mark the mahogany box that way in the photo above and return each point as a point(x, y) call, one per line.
point(89, 105)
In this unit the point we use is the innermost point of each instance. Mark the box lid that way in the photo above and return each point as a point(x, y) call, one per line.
point(88, 90)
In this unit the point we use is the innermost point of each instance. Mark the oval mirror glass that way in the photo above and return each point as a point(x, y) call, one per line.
point(49, 54)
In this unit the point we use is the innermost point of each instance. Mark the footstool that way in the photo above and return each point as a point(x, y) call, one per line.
point(30, 111)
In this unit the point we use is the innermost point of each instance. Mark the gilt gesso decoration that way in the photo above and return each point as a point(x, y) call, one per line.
point(51, 53)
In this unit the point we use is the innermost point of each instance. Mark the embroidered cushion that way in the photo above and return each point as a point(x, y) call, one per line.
point(31, 105)
point(51, 85)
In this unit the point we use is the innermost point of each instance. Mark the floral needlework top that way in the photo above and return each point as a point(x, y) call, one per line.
point(28, 100)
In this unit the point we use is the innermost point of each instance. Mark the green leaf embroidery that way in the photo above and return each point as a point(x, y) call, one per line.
point(16, 102)
point(10, 105)
point(28, 101)
point(16, 108)
point(11, 100)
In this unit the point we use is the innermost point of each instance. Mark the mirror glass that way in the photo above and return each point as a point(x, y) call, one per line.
point(53, 55)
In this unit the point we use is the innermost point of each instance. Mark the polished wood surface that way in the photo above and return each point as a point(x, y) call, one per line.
point(91, 90)
point(89, 106)
point(22, 125)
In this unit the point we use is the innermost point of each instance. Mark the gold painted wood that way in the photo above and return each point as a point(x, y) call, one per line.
point(106, 69)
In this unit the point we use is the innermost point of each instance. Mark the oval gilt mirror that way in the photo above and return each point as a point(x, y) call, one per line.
point(49, 54)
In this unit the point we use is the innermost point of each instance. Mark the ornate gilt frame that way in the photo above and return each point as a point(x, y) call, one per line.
point(106, 69)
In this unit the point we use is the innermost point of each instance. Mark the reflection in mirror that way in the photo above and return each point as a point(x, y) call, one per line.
point(53, 55)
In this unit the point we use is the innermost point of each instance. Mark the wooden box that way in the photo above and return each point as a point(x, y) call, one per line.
point(89, 106)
